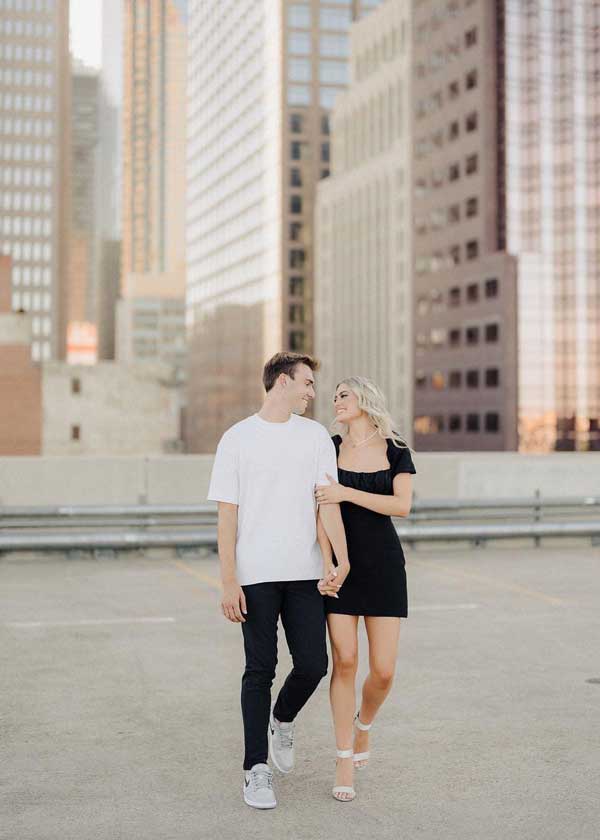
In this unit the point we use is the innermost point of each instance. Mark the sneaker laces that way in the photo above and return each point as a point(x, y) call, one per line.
point(261, 779)
point(286, 737)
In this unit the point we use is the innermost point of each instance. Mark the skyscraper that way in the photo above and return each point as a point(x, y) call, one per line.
point(262, 79)
point(35, 163)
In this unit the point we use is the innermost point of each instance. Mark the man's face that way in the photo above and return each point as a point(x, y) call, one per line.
point(301, 389)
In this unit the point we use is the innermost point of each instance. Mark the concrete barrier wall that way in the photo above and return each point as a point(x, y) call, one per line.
point(184, 479)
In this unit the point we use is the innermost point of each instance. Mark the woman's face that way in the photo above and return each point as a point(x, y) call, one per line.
point(345, 404)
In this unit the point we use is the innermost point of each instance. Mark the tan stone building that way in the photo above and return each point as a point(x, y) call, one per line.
point(363, 221)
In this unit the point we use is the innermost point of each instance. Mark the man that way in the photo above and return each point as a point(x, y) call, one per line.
point(265, 471)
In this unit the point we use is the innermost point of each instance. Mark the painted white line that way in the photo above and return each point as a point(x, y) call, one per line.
point(92, 622)
point(440, 607)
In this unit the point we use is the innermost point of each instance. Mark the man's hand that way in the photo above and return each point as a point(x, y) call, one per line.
point(330, 584)
point(233, 602)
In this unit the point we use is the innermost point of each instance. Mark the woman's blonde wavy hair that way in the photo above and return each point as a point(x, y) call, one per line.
point(371, 400)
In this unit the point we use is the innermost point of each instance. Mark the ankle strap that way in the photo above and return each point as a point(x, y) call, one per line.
point(345, 753)
point(364, 727)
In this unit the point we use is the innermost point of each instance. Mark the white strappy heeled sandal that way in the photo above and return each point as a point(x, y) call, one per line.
point(344, 788)
point(363, 756)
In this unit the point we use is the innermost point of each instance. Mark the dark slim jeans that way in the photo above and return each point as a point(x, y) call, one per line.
point(302, 612)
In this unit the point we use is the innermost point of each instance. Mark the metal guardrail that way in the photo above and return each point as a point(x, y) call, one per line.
point(91, 527)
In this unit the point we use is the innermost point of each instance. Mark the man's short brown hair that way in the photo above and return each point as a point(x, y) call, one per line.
point(285, 363)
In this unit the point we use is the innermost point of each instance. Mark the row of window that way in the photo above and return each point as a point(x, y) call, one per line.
point(297, 124)
point(439, 14)
point(11, 76)
point(25, 127)
point(31, 301)
point(426, 145)
point(489, 421)
point(438, 261)
point(389, 47)
point(330, 46)
point(25, 226)
point(299, 150)
point(27, 6)
point(490, 378)
point(440, 217)
point(435, 102)
point(436, 179)
point(330, 72)
point(301, 95)
point(40, 350)
point(300, 16)
point(470, 293)
point(28, 54)
point(37, 251)
point(25, 28)
point(470, 336)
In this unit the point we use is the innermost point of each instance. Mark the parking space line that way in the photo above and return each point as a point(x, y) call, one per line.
point(92, 622)
point(441, 607)
point(212, 581)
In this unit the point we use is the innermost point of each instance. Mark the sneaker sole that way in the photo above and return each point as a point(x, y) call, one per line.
point(273, 757)
point(259, 806)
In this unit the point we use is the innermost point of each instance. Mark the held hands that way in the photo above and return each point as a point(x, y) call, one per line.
point(332, 493)
point(233, 602)
point(333, 580)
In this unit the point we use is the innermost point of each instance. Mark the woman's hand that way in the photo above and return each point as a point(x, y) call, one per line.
point(332, 581)
point(330, 494)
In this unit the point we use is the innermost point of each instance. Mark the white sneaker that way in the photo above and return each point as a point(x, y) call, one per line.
point(258, 787)
point(281, 744)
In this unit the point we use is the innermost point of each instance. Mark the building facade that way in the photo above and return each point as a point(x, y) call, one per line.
point(35, 163)
point(363, 222)
point(262, 79)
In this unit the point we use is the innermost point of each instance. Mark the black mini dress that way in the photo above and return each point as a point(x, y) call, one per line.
point(376, 583)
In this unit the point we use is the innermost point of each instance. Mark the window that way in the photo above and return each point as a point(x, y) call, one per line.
point(420, 380)
point(472, 335)
point(454, 253)
point(296, 123)
point(453, 90)
point(437, 337)
point(335, 18)
point(491, 287)
point(454, 172)
point(296, 286)
point(335, 46)
point(492, 377)
point(454, 214)
point(296, 258)
point(296, 150)
point(296, 231)
point(471, 164)
point(472, 207)
point(75, 385)
point(472, 292)
point(325, 124)
point(438, 381)
point(454, 338)
point(455, 423)
point(324, 173)
point(296, 340)
point(472, 249)
point(471, 37)
point(295, 204)
point(453, 130)
point(295, 177)
point(325, 152)
point(333, 72)
point(299, 16)
point(471, 80)
point(298, 95)
point(296, 313)
point(75, 432)
point(455, 379)
point(299, 70)
point(472, 422)
point(492, 422)
point(472, 379)
point(299, 43)
point(454, 296)
point(492, 333)
point(471, 121)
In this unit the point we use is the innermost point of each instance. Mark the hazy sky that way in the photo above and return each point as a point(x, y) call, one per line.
point(86, 30)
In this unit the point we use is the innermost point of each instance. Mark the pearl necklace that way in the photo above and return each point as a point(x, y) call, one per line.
point(362, 442)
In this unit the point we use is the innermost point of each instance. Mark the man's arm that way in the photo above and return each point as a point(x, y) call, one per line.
point(331, 517)
point(328, 584)
point(233, 602)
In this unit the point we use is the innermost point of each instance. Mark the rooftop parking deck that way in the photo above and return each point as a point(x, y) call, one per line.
point(120, 698)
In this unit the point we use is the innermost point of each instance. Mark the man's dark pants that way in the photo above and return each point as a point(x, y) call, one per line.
point(303, 617)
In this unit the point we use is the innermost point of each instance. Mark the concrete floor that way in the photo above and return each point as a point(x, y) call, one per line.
point(120, 705)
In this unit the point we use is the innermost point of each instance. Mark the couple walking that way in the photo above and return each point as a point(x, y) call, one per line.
point(305, 534)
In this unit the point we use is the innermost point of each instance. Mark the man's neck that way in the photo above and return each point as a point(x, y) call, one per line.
point(274, 411)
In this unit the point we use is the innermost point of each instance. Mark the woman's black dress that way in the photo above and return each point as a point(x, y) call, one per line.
point(376, 583)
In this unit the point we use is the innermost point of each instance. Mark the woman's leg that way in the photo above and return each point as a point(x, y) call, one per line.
point(383, 633)
point(343, 635)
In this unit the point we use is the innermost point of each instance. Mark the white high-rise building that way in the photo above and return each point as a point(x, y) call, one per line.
point(363, 225)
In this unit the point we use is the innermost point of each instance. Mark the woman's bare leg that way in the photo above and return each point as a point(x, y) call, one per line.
point(343, 635)
point(383, 633)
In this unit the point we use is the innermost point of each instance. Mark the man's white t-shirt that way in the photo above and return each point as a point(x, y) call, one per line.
point(270, 471)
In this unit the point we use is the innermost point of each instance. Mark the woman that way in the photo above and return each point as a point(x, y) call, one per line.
point(374, 467)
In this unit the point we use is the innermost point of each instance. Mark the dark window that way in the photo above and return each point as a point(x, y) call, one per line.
point(455, 254)
point(455, 379)
point(325, 152)
point(75, 386)
point(492, 333)
point(492, 377)
point(295, 231)
point(471, 164)
point(296, 286)
point(472, 422)
point(454, 338)
point(420, 380)
point(492, 422)
point(472, 335)
point(453, 130)
point(472, 379)
point(454, 422)
point(295, 204)
point(472, 207)
point(472, 292)
point(472, 249)
point(453, 90)
point(471, 80)
point(296, 313)
point(296, 123)
point(296, 340)
point(454, 172)
point(471, 37)
point(296, 258)
point(471, 121)
point(324, 173)
point(325, 124)
point(454, 296)
point(296, 150)
point(491, 287)
point(75, 432)
point(454, 214)
point(295, 177)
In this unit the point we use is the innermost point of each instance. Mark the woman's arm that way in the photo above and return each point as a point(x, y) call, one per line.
point(396, 505)
point(325, 546)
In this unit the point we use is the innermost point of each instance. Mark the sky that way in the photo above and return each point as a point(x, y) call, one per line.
point(86, 30)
